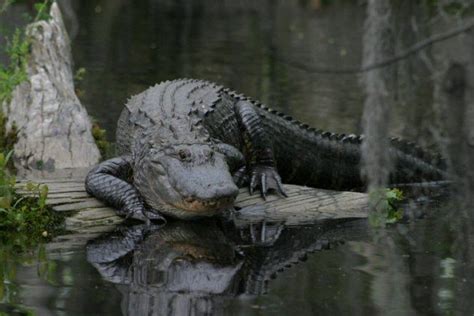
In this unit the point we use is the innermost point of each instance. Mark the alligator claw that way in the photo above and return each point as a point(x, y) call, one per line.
point(267, 178)
point(263, 233)
point(154, 217)
point(263, 185)
point(253, 183)
point(141, 213)
point(280, 185)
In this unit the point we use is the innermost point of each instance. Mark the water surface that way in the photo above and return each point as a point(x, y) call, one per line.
point(421, 267)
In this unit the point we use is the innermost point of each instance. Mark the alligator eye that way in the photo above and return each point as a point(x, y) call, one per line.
point(183, 154)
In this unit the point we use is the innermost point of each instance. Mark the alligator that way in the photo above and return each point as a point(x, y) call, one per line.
point(185, 146)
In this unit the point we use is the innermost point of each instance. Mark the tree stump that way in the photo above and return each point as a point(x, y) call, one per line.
point(54, 130)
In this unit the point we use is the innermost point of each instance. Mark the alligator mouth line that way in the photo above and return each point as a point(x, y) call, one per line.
point(205, 206)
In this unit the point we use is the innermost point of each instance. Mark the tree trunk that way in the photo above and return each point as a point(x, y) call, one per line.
point(54, 128)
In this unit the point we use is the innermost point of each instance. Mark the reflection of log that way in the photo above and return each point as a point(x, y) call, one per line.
point(54, 129)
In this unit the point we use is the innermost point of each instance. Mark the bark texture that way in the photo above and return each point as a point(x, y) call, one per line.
point(54, 128)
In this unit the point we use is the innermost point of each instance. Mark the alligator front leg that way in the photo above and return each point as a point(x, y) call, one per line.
point(263, 173)
point(108, 183)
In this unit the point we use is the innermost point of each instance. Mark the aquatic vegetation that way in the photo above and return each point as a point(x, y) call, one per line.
point(25, 221)
point(24, 214)
point(384, 204)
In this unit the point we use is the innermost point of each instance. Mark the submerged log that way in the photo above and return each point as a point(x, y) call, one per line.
point(54, 130)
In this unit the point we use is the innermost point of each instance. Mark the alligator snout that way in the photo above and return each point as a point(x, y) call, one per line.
point(212, 199)
point(229, 190)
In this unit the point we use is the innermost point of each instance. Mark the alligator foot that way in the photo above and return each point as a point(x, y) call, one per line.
point(267, 178)
point(262, 233)
point(150, 217)
point(108, 183)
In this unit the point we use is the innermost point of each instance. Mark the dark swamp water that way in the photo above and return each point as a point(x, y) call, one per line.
point(418, 267)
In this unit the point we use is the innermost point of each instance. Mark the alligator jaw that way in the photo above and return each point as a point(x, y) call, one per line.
point(193, 207)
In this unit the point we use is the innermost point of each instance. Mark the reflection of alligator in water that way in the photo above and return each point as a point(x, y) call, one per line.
point(191, 267)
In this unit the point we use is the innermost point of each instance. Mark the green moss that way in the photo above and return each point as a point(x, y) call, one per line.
point(79, 76)
point(100, 137)
point(384, 207)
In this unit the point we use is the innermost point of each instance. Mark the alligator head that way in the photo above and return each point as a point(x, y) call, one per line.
point(185, 181)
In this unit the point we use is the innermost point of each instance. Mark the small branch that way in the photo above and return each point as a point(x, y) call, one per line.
point(387, 62)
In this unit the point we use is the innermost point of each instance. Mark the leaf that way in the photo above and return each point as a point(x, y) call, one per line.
point(44, 191)
point(19, 217)
point(18, 202)
point(43, 194)
point(7, 158)
point(5, 202)
point(41, 9)
point(384, 206)
point(30, 186)
point(391, 194)
point(391, 221)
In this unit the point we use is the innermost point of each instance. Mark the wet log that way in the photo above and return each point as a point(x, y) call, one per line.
point(303, 205)
point(54, 128)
